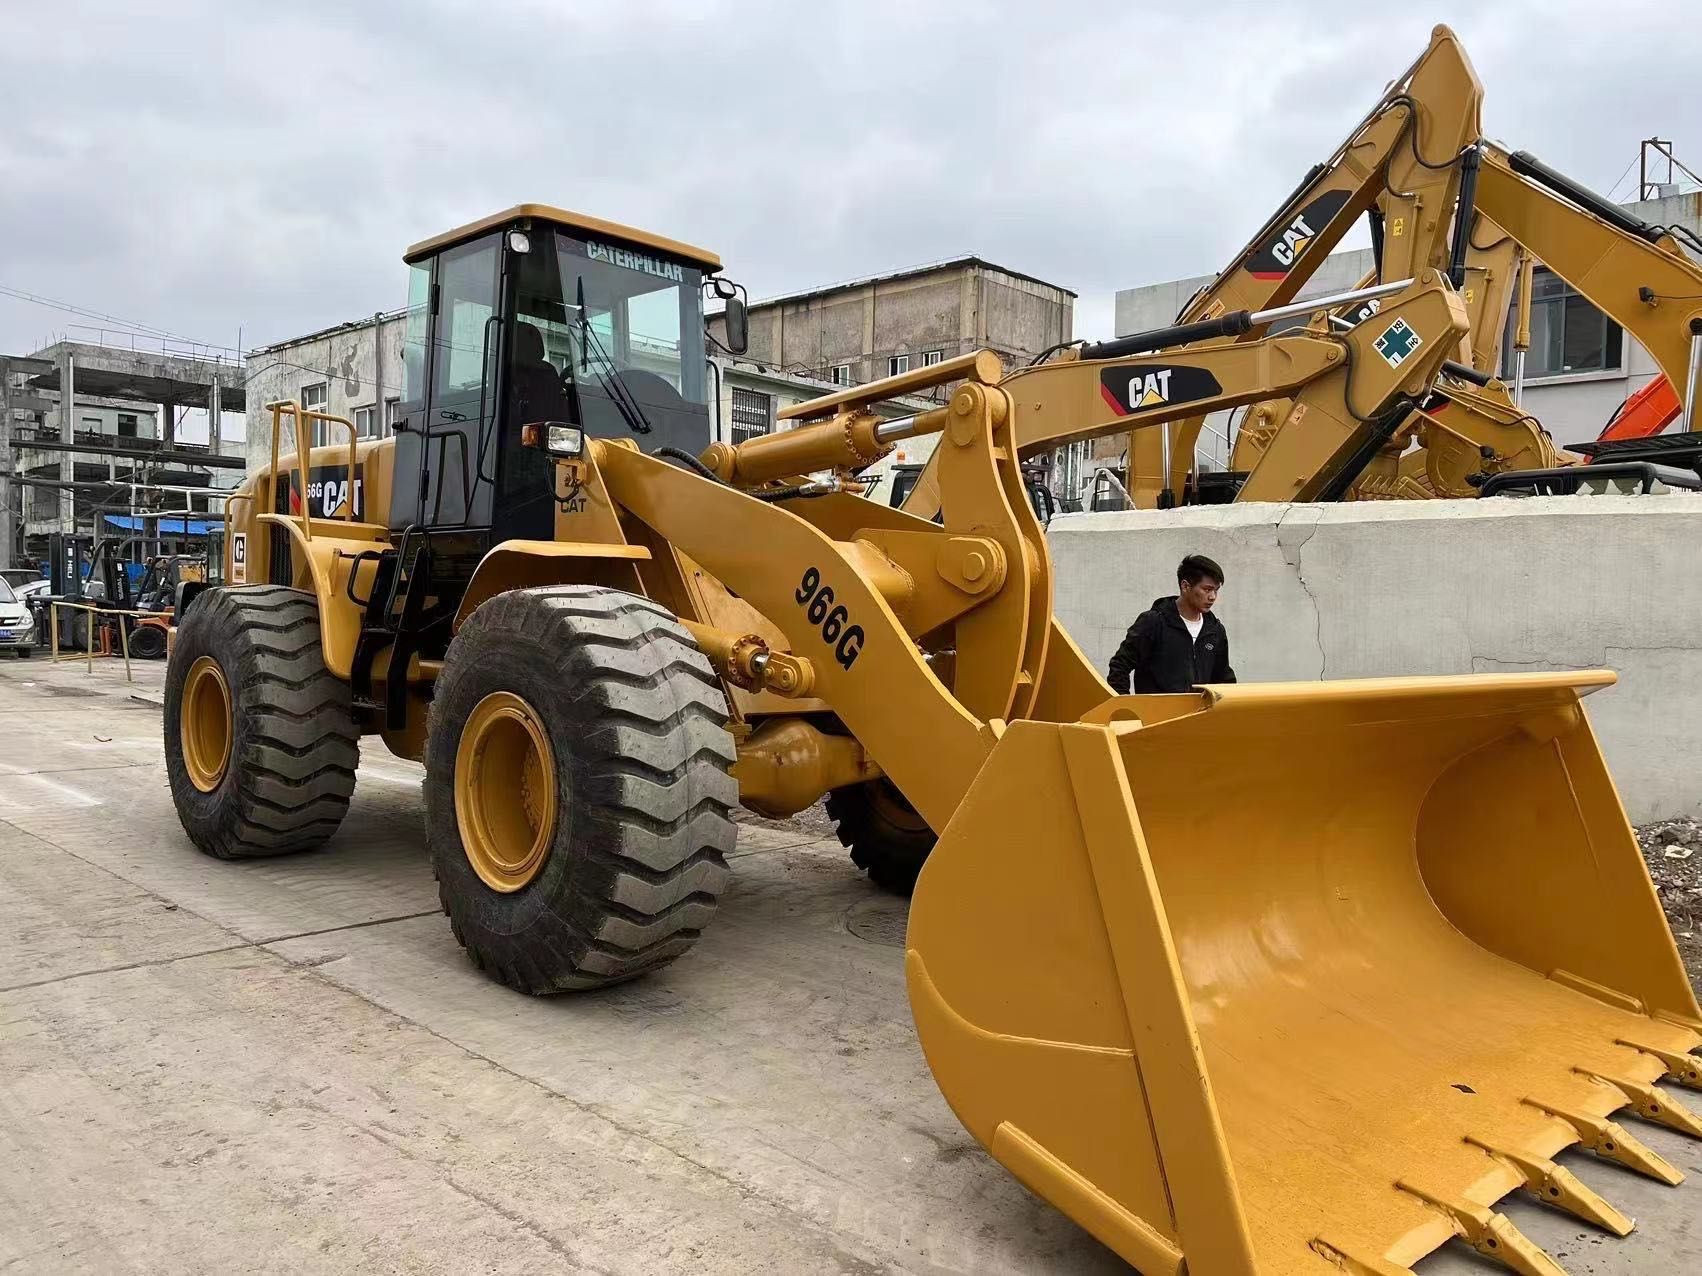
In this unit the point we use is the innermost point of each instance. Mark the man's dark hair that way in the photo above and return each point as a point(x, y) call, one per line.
point(1196, 567)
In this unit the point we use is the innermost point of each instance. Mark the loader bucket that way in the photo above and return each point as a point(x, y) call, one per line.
point(1303, 978)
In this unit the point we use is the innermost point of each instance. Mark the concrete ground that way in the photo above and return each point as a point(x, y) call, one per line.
point(288, 1066)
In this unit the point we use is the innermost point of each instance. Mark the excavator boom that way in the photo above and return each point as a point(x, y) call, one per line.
point(1399, 163)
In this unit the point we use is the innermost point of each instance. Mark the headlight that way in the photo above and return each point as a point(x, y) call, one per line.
point(561, 440)
point(566, 440)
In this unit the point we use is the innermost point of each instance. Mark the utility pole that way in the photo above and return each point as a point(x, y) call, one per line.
point(65, 469)
point(7, 486)
point(213, 422)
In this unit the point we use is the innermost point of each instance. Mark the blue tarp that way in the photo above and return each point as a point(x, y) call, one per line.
point(168, 525)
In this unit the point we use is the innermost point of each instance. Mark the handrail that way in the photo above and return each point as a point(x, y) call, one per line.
point(302, 418)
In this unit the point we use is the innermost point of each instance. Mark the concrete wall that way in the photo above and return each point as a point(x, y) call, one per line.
point(1380, 589)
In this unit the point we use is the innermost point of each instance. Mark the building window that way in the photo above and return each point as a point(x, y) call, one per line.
point(313, 399)
point(897, 364)
point(840, 374)
point(931, 357)
point(1568, 334)
point(753, 414)
point(91, 424)
point(392, 410)
point(127, 425)
point(366, 422)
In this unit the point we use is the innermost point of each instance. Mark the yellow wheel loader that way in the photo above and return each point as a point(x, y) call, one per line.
point(1276, 979)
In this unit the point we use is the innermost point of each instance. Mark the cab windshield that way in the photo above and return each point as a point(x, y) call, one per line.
point(610, 337)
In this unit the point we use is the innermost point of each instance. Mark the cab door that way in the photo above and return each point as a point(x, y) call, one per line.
point(453, 342)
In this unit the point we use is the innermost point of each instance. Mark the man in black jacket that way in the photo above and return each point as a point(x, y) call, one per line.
point(1177, 644)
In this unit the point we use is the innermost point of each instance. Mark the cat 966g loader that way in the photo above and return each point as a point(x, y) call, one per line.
point(1284, 978)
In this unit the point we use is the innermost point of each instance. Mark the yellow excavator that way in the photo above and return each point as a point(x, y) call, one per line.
point(1406, 166)
point(1470, 434)
point(1259, 979)
point(1636, 273)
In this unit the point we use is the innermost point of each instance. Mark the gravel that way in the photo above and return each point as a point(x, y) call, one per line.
point(1673, 851)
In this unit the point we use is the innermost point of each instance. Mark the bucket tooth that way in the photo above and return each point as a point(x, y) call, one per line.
point(1557, 1186)
point(1490, 1234)
point(1685, 1069)
point(1355, 1264)
point(1650, 1104)
point(1612, 1142)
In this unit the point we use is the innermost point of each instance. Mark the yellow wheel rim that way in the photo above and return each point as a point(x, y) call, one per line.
point(505, 791)
point(204, 726)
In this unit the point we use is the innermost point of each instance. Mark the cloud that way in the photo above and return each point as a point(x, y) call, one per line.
point(234, 167)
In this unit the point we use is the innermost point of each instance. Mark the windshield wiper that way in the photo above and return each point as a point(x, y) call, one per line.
point(613, 386)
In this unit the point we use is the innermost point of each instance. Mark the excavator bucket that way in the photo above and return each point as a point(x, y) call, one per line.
point(1304, 978)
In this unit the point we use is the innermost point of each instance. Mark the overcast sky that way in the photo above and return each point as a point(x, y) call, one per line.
point(258, 168)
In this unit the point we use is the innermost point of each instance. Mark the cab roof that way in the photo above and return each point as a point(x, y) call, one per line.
point(567, 221)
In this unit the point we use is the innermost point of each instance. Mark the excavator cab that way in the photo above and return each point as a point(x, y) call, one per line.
point(534, 315)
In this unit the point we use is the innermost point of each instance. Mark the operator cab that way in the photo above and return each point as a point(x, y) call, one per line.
point(533, 315)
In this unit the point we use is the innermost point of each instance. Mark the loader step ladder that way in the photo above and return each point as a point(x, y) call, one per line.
point(395, 609)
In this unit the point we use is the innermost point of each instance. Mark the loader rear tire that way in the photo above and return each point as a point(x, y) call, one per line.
point(260, 742)
point(578, 788)
point(885, 836)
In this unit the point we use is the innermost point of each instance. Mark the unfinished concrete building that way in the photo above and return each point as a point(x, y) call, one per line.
point(88, 437)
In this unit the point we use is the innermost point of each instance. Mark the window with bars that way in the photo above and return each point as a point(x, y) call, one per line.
point(753, 414)
point(313, 398)
point(1568, 334)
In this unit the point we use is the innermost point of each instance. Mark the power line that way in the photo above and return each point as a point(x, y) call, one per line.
point(86, 313)
point(1616, 181)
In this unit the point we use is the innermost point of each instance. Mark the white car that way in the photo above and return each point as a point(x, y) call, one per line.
point(17, 623)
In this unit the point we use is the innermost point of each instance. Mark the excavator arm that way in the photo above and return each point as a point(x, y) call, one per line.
point(1635, 273)
point(1400, 164)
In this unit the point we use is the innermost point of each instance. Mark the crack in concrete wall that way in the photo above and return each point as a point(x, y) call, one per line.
point(1290, 550)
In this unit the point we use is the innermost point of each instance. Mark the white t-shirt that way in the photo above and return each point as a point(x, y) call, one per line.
point(1194, 625)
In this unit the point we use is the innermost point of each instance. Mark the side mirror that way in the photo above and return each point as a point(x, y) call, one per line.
point(737, 320)
point(736, 317)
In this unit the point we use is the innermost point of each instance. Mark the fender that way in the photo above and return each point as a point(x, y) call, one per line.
point(521, 564)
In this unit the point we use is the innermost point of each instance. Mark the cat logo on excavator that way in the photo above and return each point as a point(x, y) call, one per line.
point(1138, 387)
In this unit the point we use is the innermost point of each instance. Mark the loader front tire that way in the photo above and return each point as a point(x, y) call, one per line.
point(260, 742)
point(885, 836)
point(578, 788)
